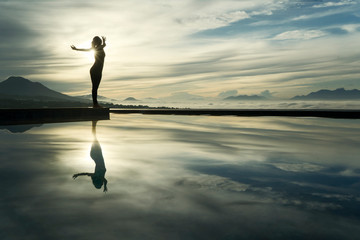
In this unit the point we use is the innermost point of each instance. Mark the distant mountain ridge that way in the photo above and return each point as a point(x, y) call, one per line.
point(21, 92)
point(130, 99)
point(99, 97)
point(22, 88)
point(245, 97)
point(338, 94)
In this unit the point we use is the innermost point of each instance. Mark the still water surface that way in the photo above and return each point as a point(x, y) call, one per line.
point(181, 177)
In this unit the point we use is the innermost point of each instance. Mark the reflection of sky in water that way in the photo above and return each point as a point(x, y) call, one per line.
point(182, 177)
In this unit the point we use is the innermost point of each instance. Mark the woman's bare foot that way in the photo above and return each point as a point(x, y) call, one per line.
point(97, 106)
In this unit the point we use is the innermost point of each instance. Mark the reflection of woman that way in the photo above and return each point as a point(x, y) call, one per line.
point(98, 177)
point(96, 70)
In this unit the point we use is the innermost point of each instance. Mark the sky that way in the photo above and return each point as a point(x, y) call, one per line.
point(158, 48)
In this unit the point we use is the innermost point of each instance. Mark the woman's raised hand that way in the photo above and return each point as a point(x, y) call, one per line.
point(103, 38)
point(73, 47)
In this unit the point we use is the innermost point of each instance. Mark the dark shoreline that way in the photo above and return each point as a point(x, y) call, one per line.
point(53, 115)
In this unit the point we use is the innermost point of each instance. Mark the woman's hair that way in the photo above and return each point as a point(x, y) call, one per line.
point(96, 41)
point(98, 182)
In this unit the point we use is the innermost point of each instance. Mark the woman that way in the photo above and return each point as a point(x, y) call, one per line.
point(98, 176)
point(96, 70)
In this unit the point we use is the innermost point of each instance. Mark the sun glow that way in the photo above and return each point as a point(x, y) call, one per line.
point(90, 56)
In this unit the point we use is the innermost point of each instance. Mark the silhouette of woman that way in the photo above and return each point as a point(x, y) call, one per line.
point(96, 70)
point(98, 177)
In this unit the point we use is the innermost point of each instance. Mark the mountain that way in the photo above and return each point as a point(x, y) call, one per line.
point(245, 97)
point(18, 92)
point(338, 94)
point(21, 88)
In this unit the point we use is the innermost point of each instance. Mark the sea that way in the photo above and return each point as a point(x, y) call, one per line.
point(181, 177)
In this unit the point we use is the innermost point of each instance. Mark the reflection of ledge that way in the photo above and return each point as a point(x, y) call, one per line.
point(353, 114)
point(51, 115)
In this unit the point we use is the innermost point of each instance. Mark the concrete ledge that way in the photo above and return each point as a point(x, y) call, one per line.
point(51, 115)
point(347, 114)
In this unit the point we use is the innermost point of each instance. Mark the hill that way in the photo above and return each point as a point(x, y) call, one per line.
point(19, 92)
point(21, 88)
point(338, 94)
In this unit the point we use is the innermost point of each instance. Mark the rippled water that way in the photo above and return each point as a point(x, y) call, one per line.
point(181, 177)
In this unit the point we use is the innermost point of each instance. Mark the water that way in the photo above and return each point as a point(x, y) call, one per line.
point(182, 177)
point(269, 104)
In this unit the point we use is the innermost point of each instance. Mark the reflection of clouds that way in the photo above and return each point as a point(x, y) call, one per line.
point(298, 167)
point(276, 160)
point(311, 205)
point(340, 197)
point(229, 137)
point(29, 186)
point(302, 189)
point(184, 178)
point(215, 183)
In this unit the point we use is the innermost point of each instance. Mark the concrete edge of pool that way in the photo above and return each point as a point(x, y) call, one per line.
point(54, 115)
point(51, 115)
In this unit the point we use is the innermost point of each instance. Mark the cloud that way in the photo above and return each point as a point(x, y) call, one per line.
point(228, 93)
point(351, 28)
point(299, 35)
point(19, 46)
point(203, 22)
point(334, 4)
point(267, 94)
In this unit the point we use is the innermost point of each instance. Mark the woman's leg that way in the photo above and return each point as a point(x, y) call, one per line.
point(95, 79)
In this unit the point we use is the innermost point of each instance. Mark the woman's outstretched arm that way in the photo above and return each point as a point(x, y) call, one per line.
point(82, 174)
point(80, 49)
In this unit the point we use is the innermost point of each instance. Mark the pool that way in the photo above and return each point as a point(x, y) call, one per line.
point(181, 177)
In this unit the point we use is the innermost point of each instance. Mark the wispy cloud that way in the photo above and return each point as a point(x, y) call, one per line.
point(320, 14)
point(299, 35)
point(213, 21)
point(334, 4)
point(351, 28)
